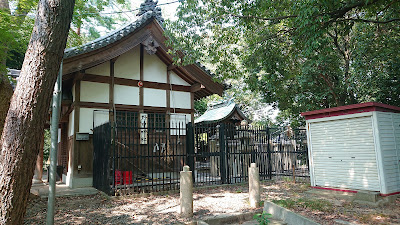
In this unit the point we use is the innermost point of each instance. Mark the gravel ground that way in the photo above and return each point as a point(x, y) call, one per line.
point(163, 209)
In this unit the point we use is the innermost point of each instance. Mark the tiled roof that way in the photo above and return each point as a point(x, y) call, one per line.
point(148, 10)
point(110, 37)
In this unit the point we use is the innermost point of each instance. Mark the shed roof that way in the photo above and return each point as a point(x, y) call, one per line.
point(350, 109)
point(221, 111)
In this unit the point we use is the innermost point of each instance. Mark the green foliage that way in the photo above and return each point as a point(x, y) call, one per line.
point(262, 218)
point(16, 25)
point(200, 106)
point(46, 146)
point(15, 28)
point(89, 16)
point(299, 55)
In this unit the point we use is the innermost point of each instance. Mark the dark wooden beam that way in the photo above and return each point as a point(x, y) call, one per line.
point(171, 67)
point(111, 92)
point(197, 87)
point(135, 108)
point(141, 75)
point(134, 83)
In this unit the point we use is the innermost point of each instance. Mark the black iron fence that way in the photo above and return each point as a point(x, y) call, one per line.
point(223, 153)
point(146, 152)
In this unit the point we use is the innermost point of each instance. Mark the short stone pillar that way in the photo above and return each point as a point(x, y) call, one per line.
point(254, 186)
point(186, 198)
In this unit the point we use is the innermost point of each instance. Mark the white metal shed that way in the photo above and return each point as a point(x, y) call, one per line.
point(355, 147)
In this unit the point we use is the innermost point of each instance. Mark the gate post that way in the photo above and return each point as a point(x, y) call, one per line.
point(269, 154)
point(222, 151)
point(190, 154)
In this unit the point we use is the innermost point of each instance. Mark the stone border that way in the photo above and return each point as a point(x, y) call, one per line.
point(286, 215)
point(229, 218)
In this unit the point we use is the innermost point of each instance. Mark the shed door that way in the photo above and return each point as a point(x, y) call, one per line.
point(343, 154)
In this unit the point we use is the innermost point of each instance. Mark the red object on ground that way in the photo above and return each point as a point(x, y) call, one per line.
point(118, 177)
point(127, 177)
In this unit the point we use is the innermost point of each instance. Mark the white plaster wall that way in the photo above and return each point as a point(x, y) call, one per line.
point(180, 99)
point(73, 93)
point(86, 119)
point(126, 95)
point(94, 92)
point(59, 135)
point(179, 120)
point(102, 69)
point(154, 97)
point(128, 65)
point(154, 69)
point(71, 123)
point(175, 79)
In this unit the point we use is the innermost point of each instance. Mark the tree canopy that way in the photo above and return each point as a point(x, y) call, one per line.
point(299, 55)
point(17, 22)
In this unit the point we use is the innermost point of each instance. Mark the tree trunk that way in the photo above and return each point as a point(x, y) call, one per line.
point(29, 107)
point(6, 92)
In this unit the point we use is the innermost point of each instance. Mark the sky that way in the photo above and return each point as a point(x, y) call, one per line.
point(168, 10)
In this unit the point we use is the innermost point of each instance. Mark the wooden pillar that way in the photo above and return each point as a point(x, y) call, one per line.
point(37, 177)
point(141, 77)
point(111, 91)
point(192, 106)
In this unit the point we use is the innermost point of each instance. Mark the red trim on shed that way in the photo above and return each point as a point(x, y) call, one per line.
point(350, 109)
point(351, 191)
point(394, 193)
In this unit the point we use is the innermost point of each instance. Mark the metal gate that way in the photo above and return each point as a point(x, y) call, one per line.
point(222, 153)
point(101, 157)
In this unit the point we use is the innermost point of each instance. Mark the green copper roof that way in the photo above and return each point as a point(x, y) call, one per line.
point(219, 112)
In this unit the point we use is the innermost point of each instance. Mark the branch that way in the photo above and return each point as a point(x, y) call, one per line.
point(370, 21)
point(330, 85)
point(336, 13)
point(263, 18)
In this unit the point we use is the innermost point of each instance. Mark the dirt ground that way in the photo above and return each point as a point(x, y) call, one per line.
point(163, 209)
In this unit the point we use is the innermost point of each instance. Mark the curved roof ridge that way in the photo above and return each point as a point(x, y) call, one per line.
point(114, 35)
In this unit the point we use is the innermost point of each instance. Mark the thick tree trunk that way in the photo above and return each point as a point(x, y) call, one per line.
point(6, 92)
point(20, 140)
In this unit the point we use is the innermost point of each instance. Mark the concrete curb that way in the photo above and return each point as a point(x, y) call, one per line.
point(226, 219)
point(286, 215)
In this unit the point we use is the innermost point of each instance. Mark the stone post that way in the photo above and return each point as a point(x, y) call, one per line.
point(186, 197)
point(37, 177)
point(254, 186)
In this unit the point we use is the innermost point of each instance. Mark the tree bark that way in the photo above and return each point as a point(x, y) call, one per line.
point(29, 107)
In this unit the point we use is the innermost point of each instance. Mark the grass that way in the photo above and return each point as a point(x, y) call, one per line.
point(313, 204)
point(372, 217)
